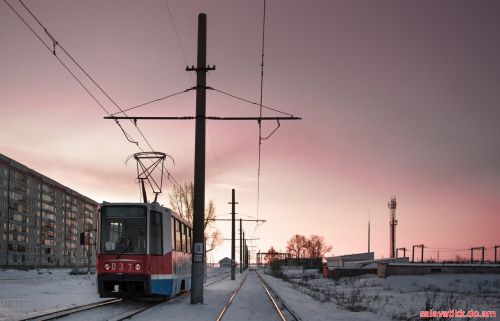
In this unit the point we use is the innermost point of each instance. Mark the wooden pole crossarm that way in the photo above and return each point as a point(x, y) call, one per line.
point(136, 118)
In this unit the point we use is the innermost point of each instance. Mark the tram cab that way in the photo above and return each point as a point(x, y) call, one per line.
point(144, 250)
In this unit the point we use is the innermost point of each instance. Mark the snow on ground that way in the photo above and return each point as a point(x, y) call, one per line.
point(309, 308)
point(396, 297)
point(33, 291)
point(358, 298)
point(214, 298)
point(24, 293)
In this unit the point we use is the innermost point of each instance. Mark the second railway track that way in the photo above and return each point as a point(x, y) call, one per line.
point(284, 312)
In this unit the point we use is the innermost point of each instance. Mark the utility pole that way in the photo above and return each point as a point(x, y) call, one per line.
point(197, 267)
point(368, 236)
point(243, 252)
point(247, 256)
point(199, 164)
point(233, 234)
point(241, 247)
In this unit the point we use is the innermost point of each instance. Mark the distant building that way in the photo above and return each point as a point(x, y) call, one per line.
point(41, 220)
point(345, 260)
point(225, 262)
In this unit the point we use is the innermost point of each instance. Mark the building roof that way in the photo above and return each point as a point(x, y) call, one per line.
point(225, 259)
point(30, 172)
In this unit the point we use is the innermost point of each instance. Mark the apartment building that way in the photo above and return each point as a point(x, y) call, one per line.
point(41, 220)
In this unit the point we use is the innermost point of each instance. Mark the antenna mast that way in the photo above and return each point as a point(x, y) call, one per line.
point(393, 222)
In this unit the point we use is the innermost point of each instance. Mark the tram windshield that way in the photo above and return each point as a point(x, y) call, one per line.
point(123, 229)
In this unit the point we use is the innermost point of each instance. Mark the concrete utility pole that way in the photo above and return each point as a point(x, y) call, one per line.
point(233, 234)
point(197, 268)
point(368, 236)
point(199, 167)
point(241, 247)
point(392, 223)
point(243, 252)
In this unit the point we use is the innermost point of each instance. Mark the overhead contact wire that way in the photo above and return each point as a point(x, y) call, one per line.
point(55, 43)
point(249, 101)
point(260, 110)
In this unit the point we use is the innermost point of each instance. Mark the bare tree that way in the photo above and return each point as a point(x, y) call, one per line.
point(296, 246)
point(213, 237)
point(181, 201)
point(271, 255)
point(316, 246)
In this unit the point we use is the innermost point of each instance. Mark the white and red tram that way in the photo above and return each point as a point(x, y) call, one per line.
point(144, 251)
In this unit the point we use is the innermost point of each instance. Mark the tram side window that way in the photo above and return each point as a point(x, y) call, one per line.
point(172, 229)
point(178, 243)
point(190, 240)
point(183, 237)
point(188, 235)
point(155, 237)
point(186, 249)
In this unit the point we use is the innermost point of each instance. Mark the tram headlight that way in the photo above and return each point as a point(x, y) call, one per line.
point(107, 266)
point(137, 267)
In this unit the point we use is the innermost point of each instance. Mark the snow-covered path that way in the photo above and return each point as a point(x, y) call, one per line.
point(251, 303)
point(309, 309)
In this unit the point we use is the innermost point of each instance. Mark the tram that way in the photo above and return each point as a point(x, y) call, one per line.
point(144, 250)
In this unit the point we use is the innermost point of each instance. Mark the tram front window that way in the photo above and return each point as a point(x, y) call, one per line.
point(123, 230)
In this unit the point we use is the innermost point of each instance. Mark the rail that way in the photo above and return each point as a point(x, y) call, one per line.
point(228, 303)
point(68, 311)
point(278, 301)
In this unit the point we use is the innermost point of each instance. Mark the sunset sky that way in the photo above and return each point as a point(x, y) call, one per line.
point(397, 98)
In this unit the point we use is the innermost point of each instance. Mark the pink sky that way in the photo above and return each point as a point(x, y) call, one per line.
point(397, 98)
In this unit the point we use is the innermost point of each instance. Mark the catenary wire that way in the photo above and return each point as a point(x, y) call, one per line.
point(212, 144)
point(55, 43)
point(260, 111)
point(249, 101)
point(154, 101)
point(178, 39)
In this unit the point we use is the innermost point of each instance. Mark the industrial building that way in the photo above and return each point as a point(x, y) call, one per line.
point(41, 220)
point(348, 260)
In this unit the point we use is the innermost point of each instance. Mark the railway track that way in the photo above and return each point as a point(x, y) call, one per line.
point(230, 300)
point(121, 310)
point(68, 311)
point(141, 306)
point(284, 312)
point(224, 275)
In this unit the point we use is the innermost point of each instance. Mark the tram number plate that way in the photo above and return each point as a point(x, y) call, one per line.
point(198, 257)
point(198, 248)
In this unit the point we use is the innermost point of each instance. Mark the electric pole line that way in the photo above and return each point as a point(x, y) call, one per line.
point(243, 244)
point(197, 268)
point(136, 118)
point(233, 233)
point(248, 239)
point(244, 220)
point(241, 248)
